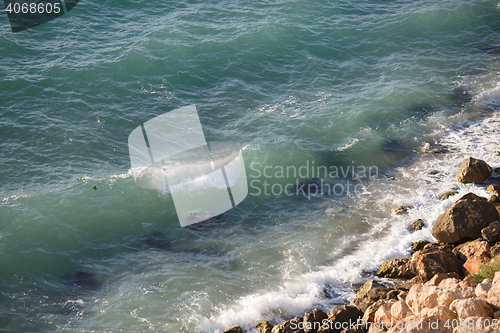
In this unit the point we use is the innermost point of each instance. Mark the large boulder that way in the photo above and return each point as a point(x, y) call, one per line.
point(464, 221)
point(473, 171)
point(471, 307)
point(397, 268)
point(434, 259)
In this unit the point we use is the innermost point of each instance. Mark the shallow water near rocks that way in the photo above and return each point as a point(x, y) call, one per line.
point(296, 84)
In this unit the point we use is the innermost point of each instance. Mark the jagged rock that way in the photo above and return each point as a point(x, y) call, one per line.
point(494, 292)
point(369, 293)
point(436, 279)
point(446, 195)
point(399, 311)
point(421, 297)
point(450, 283)
point(343, 314)
point(289, 326)
point(366, 287)
point(476, 248)
point(432, 260)
point(235, 329)
point(473, 171)
point(491, 233)
point(265, 327)
point(495, 250)
point(383, 314)
point(483, 288)
point(419, 245)
point(464, 220)
point(313, 320)
point(401, 210)
point(494, 189)
point(468, 281)
point(417, 225)
point(369, 315)
point(471, 307)
point(397, 268)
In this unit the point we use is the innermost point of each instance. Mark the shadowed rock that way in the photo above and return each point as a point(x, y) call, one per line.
point(464, 221)
point(81, 281)
point(155, 241)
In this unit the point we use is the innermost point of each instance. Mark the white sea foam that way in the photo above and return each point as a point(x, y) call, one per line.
point(417, 185)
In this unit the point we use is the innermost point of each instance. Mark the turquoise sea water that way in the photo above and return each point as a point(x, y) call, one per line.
point(328, 83)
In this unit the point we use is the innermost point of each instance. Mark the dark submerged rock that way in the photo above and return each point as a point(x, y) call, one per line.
point(446, 195)
point(82, 281)
point(155, 241)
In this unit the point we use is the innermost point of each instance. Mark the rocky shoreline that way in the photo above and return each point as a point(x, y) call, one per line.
point(451, 286)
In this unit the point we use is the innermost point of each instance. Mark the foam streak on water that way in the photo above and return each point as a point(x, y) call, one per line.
point(297, 84)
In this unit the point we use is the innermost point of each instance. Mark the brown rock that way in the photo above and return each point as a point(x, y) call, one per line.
point(313, 320)
point(436, 279)
point(369, 293)
point(495, 201)
point(235, 329)
point(473, 249)
point(432, 260)
point(491, 233)
point(369, 315)
point(474, 253)
point(419, 245)
point(471, 197)
point(494, 189)
point(473, 171)
point(495, 250)
point(417, 225)
point(464, 220)
point(264, 327)
point(289, 326)
point(397, 268)
point(401, 210)
point(343, 314)
point(471, 307)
